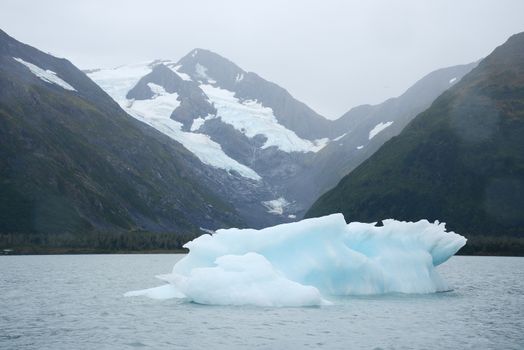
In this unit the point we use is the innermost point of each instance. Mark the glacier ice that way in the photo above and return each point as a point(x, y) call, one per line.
point(304, 263)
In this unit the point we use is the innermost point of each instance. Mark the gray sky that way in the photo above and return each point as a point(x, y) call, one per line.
point(332, 55)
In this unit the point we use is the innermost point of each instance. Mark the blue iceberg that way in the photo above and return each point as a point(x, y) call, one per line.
point(306, 262)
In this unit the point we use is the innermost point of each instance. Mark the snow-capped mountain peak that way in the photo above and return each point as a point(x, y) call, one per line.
point(208, 67)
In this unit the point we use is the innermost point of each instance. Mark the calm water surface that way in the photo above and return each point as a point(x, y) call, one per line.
point(76, 302)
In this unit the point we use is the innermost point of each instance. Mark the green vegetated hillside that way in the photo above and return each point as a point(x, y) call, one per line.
point(461, 161)
point(73, 161)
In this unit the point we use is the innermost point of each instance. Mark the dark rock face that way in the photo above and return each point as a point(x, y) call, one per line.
point(234, 143)
point(461, 161)
point(193, 105)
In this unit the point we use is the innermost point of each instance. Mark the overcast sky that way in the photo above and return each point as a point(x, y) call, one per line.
point(332, 55)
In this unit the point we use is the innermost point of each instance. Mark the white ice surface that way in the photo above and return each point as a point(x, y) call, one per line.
point(452, 80)
point(251, 118)
point(46, 75)
point(307, 262)
point(156, 112)
point(378, 128)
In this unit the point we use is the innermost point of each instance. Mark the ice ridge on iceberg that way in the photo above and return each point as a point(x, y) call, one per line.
point(304, 263)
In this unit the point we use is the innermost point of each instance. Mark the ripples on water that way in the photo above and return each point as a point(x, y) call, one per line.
point(76, 302)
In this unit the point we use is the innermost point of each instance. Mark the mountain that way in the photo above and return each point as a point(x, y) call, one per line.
point(461, 161)
point(274, 146)
point(71, 160)
point(366, 128)
point(232, 120)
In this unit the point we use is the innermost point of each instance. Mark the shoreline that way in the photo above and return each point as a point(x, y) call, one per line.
point(74, 251)
point(150, 243)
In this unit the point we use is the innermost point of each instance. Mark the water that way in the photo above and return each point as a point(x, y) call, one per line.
point(75, 302)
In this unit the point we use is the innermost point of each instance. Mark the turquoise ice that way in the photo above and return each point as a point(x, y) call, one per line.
point(307, 262)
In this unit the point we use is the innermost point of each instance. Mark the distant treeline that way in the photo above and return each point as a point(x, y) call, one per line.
point(489, 245)
point(140, 241)
point(92, 242)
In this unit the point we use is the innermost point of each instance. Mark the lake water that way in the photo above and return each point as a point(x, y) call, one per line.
point(76, 302)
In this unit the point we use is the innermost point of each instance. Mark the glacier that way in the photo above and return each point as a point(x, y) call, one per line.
point(156, 112)
point(309, 262)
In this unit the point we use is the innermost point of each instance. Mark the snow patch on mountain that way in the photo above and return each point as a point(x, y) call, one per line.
point(340, 137)
point(46, 75)
point(201, 71)
point(452, 80)
point(251, 118)
point(198, 122)
point(276, 206)
point(378, 128)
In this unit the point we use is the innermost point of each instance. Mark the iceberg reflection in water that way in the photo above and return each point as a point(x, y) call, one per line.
point(306, 262)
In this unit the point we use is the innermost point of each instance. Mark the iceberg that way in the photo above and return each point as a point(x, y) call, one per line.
point(305, 263)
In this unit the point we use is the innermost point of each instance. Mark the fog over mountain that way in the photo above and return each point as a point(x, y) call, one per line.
point(354, 52)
